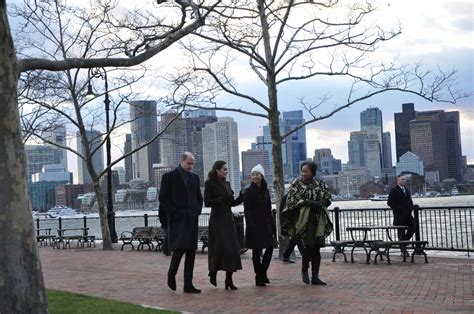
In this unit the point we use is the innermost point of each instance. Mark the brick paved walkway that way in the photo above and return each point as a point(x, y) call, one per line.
point(443, 285)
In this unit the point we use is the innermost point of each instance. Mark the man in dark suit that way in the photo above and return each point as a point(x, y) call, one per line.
point(401, 203)
point(181, 198)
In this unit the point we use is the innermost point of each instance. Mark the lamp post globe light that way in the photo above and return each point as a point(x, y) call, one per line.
point(102, 73)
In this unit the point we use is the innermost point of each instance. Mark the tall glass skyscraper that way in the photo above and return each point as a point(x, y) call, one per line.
point(144, 126)
point(220, 141)
point(95, 139)
point(293, 147)
point(296, 142)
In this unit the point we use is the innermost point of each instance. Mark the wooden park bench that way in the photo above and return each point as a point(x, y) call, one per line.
point(145, 236)
point(44, 236)
point(339, 247)
point(382, 248)
point(65, 236)
point(203, 237)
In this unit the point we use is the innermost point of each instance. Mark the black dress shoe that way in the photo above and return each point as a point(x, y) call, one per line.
point(317, 281)
point(191, 289)
point(289, 260)
point(172, 282)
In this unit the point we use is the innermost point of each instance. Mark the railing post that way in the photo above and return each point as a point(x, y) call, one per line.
point(146, 219)
point(37, 226)
point(417, 222)
point(85, 221)
point(60, 223)
point(336, 223)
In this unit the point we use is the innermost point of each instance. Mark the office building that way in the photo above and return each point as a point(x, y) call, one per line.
point(173, 139)
point(37, 156)
point(387, 150)
point(453, 145)
point(43, 194)
point(428, 141)
point(373, 156)
point(128, 160)
point(220, 142)
point(96, 148)
point(194, 126)
point(410, 162)
point(57, 135)
point(402, 129)
point(52, 173)
point(296, 142)
point(144, 128)
point(293, 146)
point(251, 158)
point(327, 164)
point(435, 137)
point(68, 194)
point(356, 148)
point(159, 170)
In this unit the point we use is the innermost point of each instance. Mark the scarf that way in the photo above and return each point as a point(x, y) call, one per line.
point(295, 216)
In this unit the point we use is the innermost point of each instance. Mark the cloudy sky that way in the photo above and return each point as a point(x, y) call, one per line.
point(436, 33)
point(440, 34)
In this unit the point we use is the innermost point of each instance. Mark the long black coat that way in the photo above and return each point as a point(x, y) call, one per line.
point(401, 205)
point(258, 218)
point(182, 203)
point(224, 247)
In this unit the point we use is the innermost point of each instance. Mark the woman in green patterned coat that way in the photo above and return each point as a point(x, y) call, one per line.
point(305, 216)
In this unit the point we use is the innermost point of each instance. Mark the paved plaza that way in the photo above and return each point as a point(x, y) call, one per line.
point(443, 285)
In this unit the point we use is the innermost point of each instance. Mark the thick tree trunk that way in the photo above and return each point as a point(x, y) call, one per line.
point(104, 226)
point(273, 117)
point(21, 279)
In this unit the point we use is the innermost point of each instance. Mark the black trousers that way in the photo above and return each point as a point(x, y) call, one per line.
point(291, 246)
point(406, 221)
point(261, 264)
point(188, 265)
point(312, 254)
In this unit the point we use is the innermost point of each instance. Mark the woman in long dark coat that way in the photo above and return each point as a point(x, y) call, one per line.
point(224, 247)
point(259, 224)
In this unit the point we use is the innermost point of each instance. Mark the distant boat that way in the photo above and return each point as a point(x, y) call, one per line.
point(379, 197)
point(60, 211)
point(38, 215)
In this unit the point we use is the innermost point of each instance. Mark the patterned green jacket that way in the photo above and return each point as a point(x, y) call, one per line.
point(295, 216)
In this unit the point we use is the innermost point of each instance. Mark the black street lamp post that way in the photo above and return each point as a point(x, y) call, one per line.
point(110, 207)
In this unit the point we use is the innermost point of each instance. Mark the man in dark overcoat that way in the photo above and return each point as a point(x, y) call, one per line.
point(401, 204)
point(181, 198)
point(164, 224)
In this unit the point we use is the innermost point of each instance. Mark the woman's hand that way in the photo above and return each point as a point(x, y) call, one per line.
point(314, 205)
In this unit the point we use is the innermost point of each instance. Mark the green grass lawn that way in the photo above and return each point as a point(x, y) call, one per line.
point(66, 302)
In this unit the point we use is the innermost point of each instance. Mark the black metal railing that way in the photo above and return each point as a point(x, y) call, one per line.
point(122, 223)
point(446, 228)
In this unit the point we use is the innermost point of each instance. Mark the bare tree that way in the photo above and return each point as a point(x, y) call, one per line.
point(126, 43)
point(279, 42)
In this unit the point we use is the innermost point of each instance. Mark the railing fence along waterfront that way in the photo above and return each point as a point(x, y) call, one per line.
point(446, 228)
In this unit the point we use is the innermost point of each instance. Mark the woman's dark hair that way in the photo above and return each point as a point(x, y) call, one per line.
point(311, 165)
point(212, 175)
point(263, 184)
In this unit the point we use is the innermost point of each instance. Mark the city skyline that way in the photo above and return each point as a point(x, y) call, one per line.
point(310, 151)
